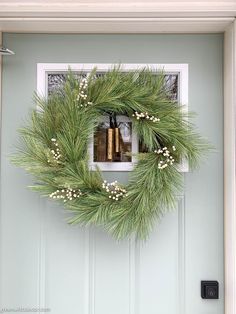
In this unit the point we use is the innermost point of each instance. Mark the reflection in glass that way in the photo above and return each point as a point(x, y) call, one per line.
point(113, 144)
point(171, 84)
point(56, 81)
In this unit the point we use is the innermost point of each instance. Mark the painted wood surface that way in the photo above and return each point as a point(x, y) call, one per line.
point(46, 263)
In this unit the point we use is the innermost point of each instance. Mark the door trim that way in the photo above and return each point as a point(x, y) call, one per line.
point(229, 168)
point(206, 25)
point(160, 8)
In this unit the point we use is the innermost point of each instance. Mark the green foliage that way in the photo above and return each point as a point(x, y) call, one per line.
point(68, 120)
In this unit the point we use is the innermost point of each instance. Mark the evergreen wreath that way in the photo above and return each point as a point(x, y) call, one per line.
point(54, 148)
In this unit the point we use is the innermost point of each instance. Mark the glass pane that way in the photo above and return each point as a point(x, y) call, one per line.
point(171, 81)
point(113, 144)
point(56, 80)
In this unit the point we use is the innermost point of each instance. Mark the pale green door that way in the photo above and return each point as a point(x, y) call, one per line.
point(49, 265)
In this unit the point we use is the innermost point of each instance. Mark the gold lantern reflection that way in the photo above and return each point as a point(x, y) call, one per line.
point(113, 141)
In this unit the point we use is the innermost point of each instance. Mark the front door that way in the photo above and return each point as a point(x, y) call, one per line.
point(50, 266)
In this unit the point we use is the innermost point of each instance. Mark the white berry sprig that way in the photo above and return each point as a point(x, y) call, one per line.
point(114, 190)
point(55, 151)
point(145, 115)
point(66, 194)
point(82, 89)
point(82, 96)
point(168, 158)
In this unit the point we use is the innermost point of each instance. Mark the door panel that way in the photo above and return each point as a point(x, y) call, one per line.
point(46, 263)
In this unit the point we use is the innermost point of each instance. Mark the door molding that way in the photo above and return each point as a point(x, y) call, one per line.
point(178, 25)
point(229, 168)
point(113, 8)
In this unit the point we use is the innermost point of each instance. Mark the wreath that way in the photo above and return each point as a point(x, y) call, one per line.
point(54, 148)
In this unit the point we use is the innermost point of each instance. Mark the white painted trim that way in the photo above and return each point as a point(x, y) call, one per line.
point(182, 69)
point(229, 168)
point(78, 8)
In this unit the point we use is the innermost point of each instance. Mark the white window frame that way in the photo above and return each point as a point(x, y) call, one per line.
point(43, 69)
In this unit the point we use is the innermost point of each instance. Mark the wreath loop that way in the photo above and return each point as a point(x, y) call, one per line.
point(55, 149)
